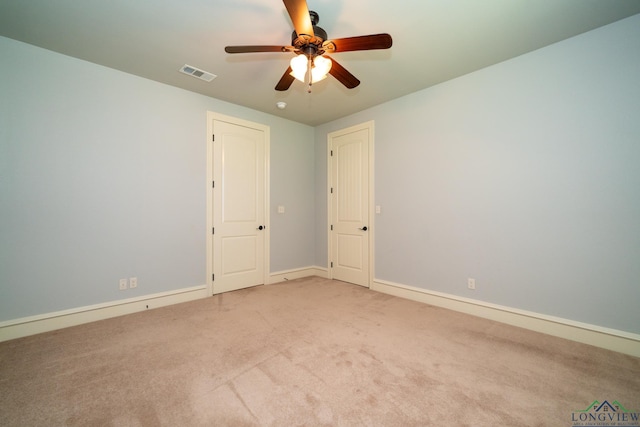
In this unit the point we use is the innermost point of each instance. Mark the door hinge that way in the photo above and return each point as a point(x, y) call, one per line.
point(331, 227)
point(331, 153)
point(213, 138)
point(331, 190)
point(213, 277)
point(213, 184)
point(213, 230)
point(331, 264)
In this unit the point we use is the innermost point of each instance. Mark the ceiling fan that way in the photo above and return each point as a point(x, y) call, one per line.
point(310, 43)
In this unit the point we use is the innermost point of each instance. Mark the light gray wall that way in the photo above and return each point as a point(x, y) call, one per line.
point(102, 176)
point(524, 175)
point(292, 186)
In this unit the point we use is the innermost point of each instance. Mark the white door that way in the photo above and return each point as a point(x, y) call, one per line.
point(350, 227)
point(239, 205)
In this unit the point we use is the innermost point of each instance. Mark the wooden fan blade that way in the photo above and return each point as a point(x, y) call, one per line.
point(286, 80)
point(252, 49)
point(343, 76)
point(299, 13)
point(349, 44)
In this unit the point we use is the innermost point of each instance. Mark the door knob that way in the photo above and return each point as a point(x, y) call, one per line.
point(363, 228)
point(260, 227)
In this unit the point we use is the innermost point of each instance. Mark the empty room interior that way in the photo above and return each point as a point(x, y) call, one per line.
point(444, 228)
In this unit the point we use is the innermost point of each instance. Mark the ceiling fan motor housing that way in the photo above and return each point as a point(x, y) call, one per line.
point(310, 45)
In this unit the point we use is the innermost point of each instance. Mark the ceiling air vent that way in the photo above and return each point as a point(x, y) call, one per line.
point(196, 72)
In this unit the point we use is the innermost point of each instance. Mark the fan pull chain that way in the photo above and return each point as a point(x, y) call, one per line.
point(309, 67)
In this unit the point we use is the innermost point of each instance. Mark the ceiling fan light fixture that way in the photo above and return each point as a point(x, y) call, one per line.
point(309, 42)
point(299, 67)
point(321, 67)
point(300, 63)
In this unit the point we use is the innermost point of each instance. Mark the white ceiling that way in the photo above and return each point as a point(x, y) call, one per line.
point(433, 41)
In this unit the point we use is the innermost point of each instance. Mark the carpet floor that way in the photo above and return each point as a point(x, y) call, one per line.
point(307, 352)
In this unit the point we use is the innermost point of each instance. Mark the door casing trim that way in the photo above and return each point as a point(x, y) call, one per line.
point(211, 116)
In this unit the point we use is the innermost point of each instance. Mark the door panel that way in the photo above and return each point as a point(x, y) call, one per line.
point(239, 184)
point(349, 251)
point(350, 206)
point(238, 206)
point(233, 264)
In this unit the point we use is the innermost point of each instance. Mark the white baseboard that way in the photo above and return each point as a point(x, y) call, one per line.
point(298, 273)
point(32, 325)
point(62, 319)
point(611, 339)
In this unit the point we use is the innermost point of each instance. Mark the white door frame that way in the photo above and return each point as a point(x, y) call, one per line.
point(371, 223)
point(211, 116)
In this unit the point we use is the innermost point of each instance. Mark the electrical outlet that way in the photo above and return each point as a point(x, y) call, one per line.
point(123, 284)
point(133, 282)
point(471, 283)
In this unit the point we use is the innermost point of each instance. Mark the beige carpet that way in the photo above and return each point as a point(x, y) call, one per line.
point(305, 352)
